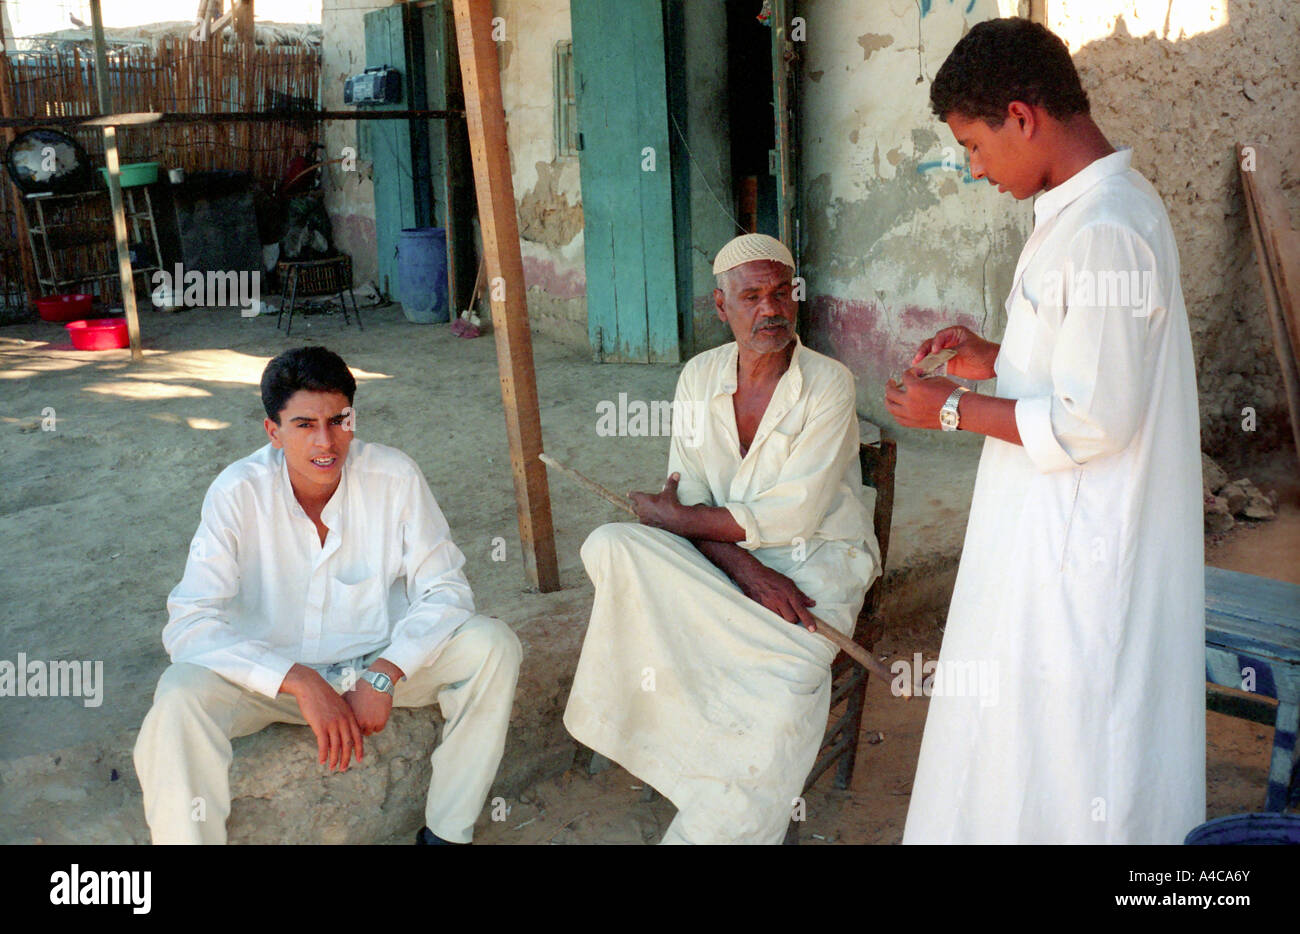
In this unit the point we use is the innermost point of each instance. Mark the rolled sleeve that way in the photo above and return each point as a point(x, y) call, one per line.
point(1100, 390)
point(745, 519)
point(685, 454)
point(439, 596)
point(1034, 422)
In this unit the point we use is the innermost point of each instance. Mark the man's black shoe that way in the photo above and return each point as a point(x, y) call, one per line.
point(427, 837)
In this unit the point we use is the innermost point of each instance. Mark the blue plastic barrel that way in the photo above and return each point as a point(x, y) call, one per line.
point(1236, 829)
point(422, 274)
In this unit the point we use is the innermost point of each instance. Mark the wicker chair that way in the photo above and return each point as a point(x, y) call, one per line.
point(330, 276)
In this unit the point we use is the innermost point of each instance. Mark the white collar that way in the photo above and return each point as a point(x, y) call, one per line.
point(730, 365)
point(1053, 202)
point(331, 512)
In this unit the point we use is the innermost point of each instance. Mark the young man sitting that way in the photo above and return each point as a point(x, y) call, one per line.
point(322, 588)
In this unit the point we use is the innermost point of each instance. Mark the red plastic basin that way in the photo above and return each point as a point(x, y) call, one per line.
point(98, 333)
point(64, 307)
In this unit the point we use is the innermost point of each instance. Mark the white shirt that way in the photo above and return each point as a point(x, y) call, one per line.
point(800, 481)
point(260, 591)
point(1074, 703)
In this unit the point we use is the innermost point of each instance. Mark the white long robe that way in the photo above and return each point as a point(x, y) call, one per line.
point(1080, 588)
point(687, 683)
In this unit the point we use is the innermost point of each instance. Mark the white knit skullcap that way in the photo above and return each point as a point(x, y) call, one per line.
point(750, 247)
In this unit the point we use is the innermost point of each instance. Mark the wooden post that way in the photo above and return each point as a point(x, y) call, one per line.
point(244, 25)
point(115, 184)
point(780, 24)
point(486, 119)
point(245, 79)
point(25, 259)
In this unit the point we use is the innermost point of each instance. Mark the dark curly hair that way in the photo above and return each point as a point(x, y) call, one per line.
point(312, 368)
point(1005, 60)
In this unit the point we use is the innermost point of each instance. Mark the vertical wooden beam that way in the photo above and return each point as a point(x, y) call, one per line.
point(115, 185)
point(244, 23)
point(26, 261)
point(244, 76)
point(780, 24)
point(486, 119)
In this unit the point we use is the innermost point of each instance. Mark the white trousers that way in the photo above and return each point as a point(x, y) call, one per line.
point(184, 752)
point(701, 692)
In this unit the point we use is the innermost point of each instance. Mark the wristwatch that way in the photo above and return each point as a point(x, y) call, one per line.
point(378, 680)
point(949, 418)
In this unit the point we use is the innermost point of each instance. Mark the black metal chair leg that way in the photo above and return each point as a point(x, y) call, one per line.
point(293, 294)
point(355, 310)
point(344, 306)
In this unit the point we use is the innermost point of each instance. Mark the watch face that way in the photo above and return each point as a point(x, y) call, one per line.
point(379, 681)
point(948, 418)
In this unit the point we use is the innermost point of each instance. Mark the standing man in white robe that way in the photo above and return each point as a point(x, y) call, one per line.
point(1080, 585)
point(701, 673)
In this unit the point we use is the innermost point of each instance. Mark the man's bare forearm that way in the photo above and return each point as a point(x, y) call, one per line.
point(989, 415)
point(703, 524)
point(727, 557)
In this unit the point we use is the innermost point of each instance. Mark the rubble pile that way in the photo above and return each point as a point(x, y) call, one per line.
point(1227, 500)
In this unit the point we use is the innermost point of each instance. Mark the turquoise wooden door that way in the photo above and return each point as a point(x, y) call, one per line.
point(398, 149)
point(627, 190)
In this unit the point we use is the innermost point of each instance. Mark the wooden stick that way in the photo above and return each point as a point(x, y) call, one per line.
point(485, 118)
point(837, 638)
point(591, 485)
point(1272, 300)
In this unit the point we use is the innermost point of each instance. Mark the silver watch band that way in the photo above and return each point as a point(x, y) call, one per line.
point(953, 420)
point(379, 681)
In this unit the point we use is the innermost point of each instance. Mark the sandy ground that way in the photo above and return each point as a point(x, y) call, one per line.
point(97, 514)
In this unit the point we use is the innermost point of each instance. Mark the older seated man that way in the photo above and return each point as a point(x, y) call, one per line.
point(701, 673)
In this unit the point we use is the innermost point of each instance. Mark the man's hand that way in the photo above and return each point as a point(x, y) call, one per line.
point(778, 593)
point(371, 707)
point(760, 583)
point(660, 510)
point(337, 732)
point(975, 355)
point(915, 402)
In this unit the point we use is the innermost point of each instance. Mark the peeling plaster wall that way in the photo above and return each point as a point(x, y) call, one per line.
point(547, 189)
point(897, 243)
point(1182, 84)
point(349, 195)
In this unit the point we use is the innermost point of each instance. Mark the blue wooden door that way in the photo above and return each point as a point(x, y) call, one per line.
point(626, 170)
point(398, 149)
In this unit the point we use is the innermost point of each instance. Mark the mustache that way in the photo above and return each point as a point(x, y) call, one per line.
point(771, 322)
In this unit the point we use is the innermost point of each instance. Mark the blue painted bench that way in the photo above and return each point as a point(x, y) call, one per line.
point(1252, 630)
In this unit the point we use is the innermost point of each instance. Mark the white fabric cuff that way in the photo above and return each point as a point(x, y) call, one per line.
point(409, 657)
point(745, 519)
point(412, 653)
point(266, 678)
point(1034, 422)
